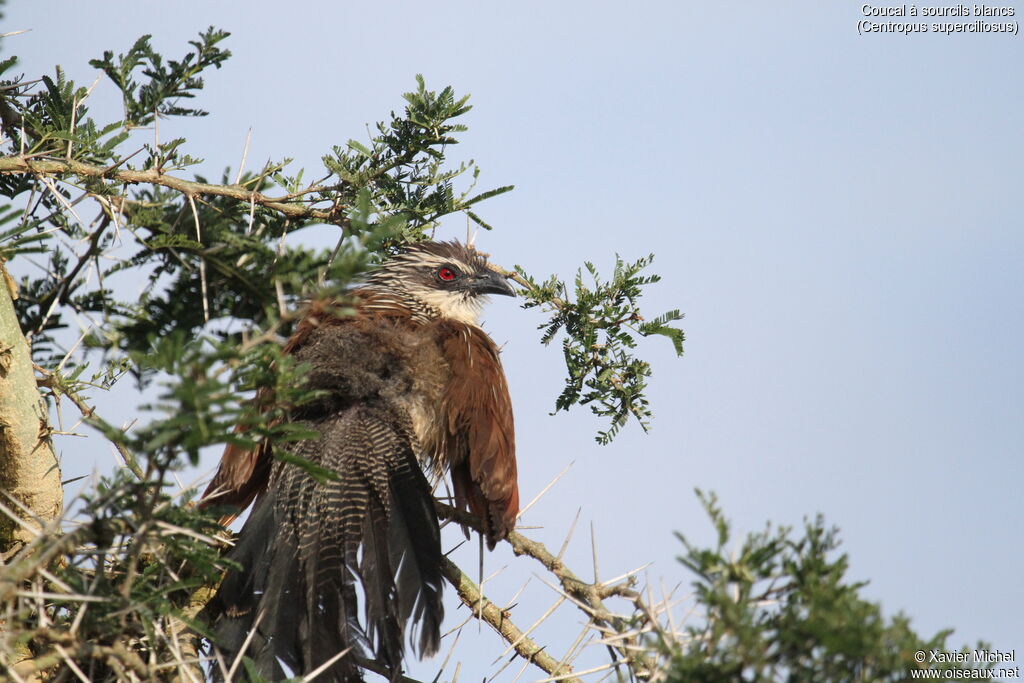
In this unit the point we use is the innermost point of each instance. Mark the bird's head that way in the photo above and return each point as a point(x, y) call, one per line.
point(447, 277)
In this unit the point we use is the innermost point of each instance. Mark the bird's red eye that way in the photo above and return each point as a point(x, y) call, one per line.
point(446, 274)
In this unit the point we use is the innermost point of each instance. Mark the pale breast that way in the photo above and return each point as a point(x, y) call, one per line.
point(426, 376)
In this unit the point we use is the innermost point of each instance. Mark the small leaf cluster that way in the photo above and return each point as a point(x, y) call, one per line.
point(164, 84)
point(198, 406)
point(781, 608)
point(600, 325)
point(53, 119)
point(406, 166)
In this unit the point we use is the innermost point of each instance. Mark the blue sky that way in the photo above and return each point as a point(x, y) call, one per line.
point(837, 215)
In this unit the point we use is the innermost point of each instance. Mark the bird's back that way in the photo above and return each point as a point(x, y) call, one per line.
point(300, 548)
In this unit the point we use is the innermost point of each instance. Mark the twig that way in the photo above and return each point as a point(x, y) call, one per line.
point(325, 666)
point(603, 667)
point(451, 650)
point(129, 460)
point(578, 645)
point(530, 630)
point(470, 595)
point(245, 645)
point(62, 291)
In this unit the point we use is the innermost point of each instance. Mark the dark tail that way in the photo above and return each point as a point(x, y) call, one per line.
point(301, 564)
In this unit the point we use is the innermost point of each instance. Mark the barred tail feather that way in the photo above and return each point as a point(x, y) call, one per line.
point(415, 536)
point(307, 543)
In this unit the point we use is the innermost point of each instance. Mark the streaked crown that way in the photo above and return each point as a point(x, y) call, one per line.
point(440, 279)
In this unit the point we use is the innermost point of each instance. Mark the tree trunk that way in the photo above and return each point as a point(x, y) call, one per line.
point(30, 484)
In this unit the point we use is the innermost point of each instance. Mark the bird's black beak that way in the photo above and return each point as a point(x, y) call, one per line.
point(491, 282)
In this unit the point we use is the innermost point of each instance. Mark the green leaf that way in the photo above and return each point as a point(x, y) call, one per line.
point(360, 147)
point(488, 194)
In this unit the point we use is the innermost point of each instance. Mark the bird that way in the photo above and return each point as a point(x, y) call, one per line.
point(407, 382)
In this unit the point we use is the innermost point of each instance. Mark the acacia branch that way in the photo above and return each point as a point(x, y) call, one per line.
point(38, 166)
point(588, 596)
point(90, 412)
point(558, 302)
point(525, 646)
point(118, 655)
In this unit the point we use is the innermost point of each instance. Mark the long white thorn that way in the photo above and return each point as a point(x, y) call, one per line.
point(245, 155)
point(202, 261)
point(245, 645)
point(545, 490)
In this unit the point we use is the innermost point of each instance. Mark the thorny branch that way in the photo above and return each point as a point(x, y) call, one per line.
point(498, 618)
point(67, 646)
point(48, 380)
point(21, 164)
point(589, 597)
point(620, 634)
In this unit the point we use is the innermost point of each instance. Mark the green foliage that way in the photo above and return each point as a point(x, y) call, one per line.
point(599, 327)
point(211, 255)
point(165, 83)
point(53, 119)
point(17, 239)
point(780, 608)
point(141, 558)
point(406, 163)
